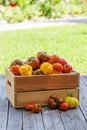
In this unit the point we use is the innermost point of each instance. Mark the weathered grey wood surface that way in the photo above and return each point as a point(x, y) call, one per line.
point(20, 119)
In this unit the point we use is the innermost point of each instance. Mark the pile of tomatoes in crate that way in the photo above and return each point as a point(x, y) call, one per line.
point(41, 64)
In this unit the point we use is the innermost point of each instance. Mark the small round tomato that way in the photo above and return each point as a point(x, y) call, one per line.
point(64, 106)
point(29, 107)
point(37, 108)
point(67, 68)
point(15, 69)
point(54, 59)
point(62, 61)
point(58, 67)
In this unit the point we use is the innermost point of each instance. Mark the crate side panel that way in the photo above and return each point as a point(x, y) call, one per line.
point(41, 97)
point(11, 95)
point(10, 80)
point(32, 83)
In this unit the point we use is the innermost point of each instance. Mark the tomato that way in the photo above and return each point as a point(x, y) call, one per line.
point(64, 106)
point(54, 59)
point(46, 68)
point(29, 107)
point(43, 56)
point(58, 67)
point(15, 69)
point(13, 4)
point(71, 101)
point(67, 68)
point(34, 62)
point(37, 108)
point(54, 101)
point(62, 61)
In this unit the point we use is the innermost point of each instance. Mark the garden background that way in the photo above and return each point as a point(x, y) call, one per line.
point(68, 41)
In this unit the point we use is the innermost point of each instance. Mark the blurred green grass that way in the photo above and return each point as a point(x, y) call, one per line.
point(69, 42)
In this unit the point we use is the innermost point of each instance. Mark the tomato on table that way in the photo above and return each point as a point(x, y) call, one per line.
point(29, 107)
point(64, 106)
point(37, 108)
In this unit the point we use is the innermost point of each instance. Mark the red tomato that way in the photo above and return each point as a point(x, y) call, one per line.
point(54, 59)
point(37, 108)
point(13, 4)
point(63, 62)
point(15, 69)
point(67, 68)
point(29, 107)
point(64, 106)
point(57, 67)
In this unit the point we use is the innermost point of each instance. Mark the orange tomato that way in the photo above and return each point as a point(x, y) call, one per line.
point(15, 69)
point(37, 108)
point(58, 67)
point(54, 59)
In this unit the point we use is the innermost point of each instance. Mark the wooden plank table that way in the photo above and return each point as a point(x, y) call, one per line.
point(20, 119)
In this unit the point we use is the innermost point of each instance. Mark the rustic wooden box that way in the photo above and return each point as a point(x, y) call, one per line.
point(21, 90)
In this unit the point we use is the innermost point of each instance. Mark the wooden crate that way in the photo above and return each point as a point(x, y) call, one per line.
point(21, 90)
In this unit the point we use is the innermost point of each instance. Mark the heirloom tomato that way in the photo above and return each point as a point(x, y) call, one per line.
point(67, 68)
point(54, 59)
point(71, 101)
point(54, 101)
point(62, 61)
point(58, 67)
point(46, 68)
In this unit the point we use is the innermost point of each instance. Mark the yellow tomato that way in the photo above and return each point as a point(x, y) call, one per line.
point(46, 68)
point(71, 101)
point(25, 70)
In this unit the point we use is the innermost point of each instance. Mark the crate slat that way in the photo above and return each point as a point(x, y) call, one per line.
point(42, 82)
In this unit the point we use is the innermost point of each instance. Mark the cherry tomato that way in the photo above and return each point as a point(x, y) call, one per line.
point(37, 108)
point(29, 107)
point(67, 68)
point(64, 106)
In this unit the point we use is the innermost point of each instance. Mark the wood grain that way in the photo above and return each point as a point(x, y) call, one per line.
point(3, 113)
point(42, 82)
point(48, 119)
point(14, 119)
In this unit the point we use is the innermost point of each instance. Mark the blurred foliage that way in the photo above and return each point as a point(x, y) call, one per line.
point(28, 9)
